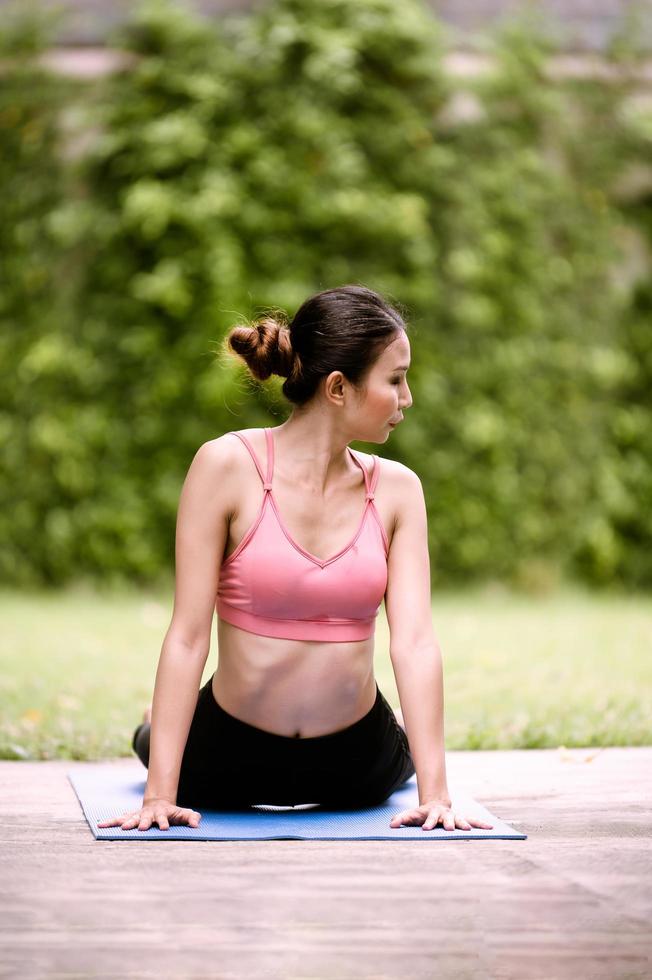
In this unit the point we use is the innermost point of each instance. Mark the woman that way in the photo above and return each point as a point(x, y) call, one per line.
point(295, 540)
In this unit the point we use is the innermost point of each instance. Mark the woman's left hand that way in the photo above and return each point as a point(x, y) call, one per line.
point(428, 815)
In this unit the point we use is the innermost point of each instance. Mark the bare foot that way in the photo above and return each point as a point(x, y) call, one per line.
point(147, 713)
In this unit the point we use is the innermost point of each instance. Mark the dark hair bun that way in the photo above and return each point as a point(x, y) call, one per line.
point(342, 329)
point(265, 346)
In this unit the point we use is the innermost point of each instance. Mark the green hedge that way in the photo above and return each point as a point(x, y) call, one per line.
point(33, 298)
point(242, 164)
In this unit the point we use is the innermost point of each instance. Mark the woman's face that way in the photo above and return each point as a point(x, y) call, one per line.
point(387, 393)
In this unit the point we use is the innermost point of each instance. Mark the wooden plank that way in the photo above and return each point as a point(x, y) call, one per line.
point(575, 899)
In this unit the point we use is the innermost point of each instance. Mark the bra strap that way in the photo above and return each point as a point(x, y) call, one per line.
point(267, 483)
point(374, 478)
point(254, 457)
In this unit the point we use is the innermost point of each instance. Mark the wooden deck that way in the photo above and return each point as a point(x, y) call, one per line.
point(574, 900)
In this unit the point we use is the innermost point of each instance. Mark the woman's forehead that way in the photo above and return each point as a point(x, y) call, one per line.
point(397, 354)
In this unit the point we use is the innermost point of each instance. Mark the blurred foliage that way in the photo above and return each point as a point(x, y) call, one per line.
point(238, 165)
point(33, 336)
point(526, 331)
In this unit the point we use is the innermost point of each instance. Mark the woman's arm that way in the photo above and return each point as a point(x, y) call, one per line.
point(414, 650)
point(202, 529)
point(175, 697)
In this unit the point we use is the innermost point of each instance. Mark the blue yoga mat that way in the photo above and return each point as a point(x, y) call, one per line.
point(107, 791)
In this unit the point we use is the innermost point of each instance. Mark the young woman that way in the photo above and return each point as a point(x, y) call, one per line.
point(295, 539)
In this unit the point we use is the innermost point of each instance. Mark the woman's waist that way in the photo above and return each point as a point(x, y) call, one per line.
point(296, 697)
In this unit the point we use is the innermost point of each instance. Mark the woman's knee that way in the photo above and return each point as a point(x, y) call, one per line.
point(140, 742)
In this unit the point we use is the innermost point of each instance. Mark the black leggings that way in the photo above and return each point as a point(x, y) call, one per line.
point(229, 764)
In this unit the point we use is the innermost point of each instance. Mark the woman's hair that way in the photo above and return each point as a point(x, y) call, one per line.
point(343, 329)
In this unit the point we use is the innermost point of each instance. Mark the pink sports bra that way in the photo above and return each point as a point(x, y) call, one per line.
point(272, 586)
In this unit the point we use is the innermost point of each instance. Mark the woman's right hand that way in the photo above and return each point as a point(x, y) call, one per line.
point(159, 811)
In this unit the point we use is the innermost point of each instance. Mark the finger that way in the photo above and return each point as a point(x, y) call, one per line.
point(480, 823)
point(114, 821)
point(404, 817)
point(429, 824)
point(145, 823)
point(407, 817)
point(448, 820)
point(129, 818)
point(162, 821)
point(431, 821)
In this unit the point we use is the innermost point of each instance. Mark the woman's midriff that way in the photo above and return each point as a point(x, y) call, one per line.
point(295, 688)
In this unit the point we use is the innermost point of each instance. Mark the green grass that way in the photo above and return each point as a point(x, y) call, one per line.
point(77, 669)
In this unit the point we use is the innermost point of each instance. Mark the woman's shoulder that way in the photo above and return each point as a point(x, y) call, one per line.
point(397, 485)
point(227, 451)
point(225, 441)
point(390, 469)
point(218, 455)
